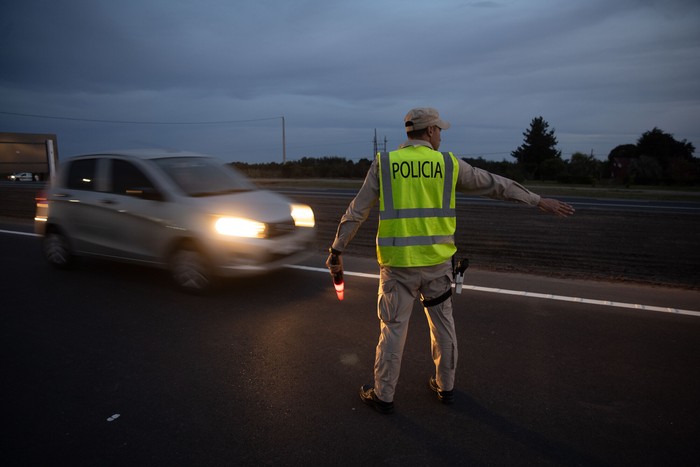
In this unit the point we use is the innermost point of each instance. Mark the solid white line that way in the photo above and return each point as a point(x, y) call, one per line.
point(14, 232)
point(587, 301)
point(522, 293)
point(347, 273)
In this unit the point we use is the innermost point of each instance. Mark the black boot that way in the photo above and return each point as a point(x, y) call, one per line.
point(446, 397)
point(370, 398)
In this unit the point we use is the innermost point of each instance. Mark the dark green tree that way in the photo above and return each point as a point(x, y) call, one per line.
point(504, 168)
point(551, 168)
point(673, 156)
point(656, 158)
point(624, 151)
point(538, 147)
point(584, 168)
point(645, 170)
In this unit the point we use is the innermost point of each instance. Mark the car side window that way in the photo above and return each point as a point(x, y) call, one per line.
point(81, 175)
point(127, 179)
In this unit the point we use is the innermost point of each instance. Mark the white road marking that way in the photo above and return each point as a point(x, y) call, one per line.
point(14, 232)
point(522, 293)
point(347, 273)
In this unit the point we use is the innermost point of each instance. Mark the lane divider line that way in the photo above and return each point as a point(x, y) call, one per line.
point(15, 232)
point(587, 301)
point(522, 293)
point(346, 273)
point(544, 296)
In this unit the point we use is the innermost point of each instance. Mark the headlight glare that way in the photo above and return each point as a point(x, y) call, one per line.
point(303, 215)
point(239, 227)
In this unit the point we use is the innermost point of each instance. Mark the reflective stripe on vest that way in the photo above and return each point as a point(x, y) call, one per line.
point(422, 233)
point(415, 240)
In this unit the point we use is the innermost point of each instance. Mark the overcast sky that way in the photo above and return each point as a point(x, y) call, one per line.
point(217, 76)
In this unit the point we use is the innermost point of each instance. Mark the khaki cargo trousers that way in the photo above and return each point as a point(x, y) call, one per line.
point(398, 290)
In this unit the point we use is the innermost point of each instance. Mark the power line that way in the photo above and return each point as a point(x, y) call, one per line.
point(133, 122)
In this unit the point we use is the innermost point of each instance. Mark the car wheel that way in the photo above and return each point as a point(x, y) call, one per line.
point(190, 270)
point(57, 250)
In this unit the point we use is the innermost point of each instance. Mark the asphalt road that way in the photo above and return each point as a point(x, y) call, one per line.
point(108, 365)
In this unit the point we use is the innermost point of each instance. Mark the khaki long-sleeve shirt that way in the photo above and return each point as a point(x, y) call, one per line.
point(470, 180)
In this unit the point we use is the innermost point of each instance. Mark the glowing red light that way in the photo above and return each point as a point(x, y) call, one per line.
point(339, 290)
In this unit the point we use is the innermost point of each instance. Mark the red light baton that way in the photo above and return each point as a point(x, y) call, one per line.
point(338, 282)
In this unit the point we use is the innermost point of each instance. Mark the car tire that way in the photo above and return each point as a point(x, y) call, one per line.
point(190, 270)
point(57, 250)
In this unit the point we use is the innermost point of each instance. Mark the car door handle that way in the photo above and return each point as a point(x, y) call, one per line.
point(107, 201)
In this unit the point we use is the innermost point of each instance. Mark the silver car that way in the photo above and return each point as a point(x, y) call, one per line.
point(191, 213)
point(21, 177)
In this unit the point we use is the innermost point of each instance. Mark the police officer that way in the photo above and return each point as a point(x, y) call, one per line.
point(415, 187)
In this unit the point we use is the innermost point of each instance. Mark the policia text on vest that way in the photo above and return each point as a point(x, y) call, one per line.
point(416, 169)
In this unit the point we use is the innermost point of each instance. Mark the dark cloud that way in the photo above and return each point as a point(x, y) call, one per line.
point(600, 72)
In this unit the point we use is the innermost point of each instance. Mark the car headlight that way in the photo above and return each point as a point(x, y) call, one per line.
point(239, 227)
point(303, 215)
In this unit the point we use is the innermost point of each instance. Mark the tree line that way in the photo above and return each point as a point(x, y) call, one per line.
point(657, 158)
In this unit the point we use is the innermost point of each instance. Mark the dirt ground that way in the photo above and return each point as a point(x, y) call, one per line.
point(659, 248)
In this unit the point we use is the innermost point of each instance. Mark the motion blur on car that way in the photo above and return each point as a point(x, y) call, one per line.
point(190, 213)
point(21, 177)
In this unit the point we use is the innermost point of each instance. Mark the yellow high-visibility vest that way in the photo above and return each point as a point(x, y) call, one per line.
point(417, 217)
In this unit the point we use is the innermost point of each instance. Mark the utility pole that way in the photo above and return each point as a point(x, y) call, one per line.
point(284, 143)
point(375, 144)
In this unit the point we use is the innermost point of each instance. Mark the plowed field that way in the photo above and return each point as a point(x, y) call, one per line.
point(658, 248)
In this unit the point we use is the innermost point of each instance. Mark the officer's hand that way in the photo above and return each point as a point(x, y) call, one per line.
point(335, 268)
point(558, 208)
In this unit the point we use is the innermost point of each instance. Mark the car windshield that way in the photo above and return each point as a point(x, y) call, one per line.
point(201, 176)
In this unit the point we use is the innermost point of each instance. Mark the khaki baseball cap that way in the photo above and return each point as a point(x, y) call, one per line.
point(423, 117)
